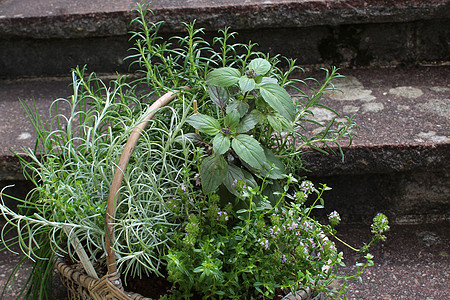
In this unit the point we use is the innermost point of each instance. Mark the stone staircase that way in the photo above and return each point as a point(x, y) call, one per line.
point(394, 54)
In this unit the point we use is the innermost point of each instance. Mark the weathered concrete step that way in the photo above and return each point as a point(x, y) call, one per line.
point(40, 38)
point(399, 162)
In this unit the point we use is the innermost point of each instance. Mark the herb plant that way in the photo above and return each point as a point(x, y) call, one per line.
point(210, 193)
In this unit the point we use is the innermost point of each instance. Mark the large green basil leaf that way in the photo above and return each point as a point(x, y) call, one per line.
point(236, 173)
point(249, 150)
point(268, 80)
point(232, 119)
point(213, 171)
point(204, 123)
point(260, 66)
point(218, 95)
point(247, 123)
point(246, 84)
point(221, 144)
point(274, 123)
point(191, 137)
point(278, 99)
point(223, 77)
point(241, 106)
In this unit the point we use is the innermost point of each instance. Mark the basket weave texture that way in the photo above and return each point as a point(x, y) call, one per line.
point(83, 287)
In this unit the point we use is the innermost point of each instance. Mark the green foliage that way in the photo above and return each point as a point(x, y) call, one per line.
point(259, 249)
point(204, 185)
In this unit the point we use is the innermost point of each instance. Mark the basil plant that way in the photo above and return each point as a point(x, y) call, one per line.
point(246, 102)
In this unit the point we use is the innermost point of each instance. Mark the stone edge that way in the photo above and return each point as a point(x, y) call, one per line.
point(237, 16)
point(360, 159)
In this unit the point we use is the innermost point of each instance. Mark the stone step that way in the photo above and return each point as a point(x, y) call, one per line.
point(48, 38)
point(398, 163)
point(411, 264)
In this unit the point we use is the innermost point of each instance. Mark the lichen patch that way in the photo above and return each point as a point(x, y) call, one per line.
point(350, 88)
point(406, 92)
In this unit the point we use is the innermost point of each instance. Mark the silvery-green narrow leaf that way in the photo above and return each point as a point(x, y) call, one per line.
point(249, 150)
point(232, 119)
point(278, 99)
point(223, 77)
point(241, 106)
point(221, 144)
point(246, 84)
point(247, 123)
point(204, 123)
point(213, 171)
point(218, 95)
point(260, 66)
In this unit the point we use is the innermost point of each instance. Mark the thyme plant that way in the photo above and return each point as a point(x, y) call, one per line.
point(210, 181)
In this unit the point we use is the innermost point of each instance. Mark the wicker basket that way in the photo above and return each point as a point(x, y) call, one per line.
point(84, 287)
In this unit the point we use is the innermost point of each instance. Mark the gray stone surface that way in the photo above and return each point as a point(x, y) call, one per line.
point(62, 18)
point(47, 38)
point(16, 130)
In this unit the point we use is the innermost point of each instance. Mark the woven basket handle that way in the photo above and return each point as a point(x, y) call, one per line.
point(119, 173)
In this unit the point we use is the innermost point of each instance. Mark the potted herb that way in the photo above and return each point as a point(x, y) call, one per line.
point(209, 199)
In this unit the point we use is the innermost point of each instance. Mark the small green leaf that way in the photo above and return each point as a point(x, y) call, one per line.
point(241, 106)
point(249, 150)
point(218, 95)
point(232, 119)
point(204, 123)
point(246, 84)
point(278, 99)
point(221, 144)
point(213, 171)
point(247, 123)
point(260, 66)
point(223, 77)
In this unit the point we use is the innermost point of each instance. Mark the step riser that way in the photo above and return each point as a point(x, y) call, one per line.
point(405, 197)
point(344, 45)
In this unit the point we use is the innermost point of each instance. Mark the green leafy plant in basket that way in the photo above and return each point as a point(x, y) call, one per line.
point(210, 197)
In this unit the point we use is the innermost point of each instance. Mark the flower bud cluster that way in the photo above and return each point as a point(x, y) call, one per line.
point(192, 231)
point(334, 218)
point(380, 225)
